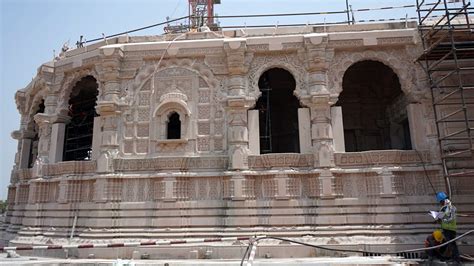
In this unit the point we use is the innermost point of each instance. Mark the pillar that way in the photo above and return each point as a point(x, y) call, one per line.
point(24, 138)
point(58, 133)
point(321, 132)
point(238, 104)
point(316, 60)
point(44, 124)
point(337, 129)
point(304, 130)
point(417, 124)
point(254, 132)
point(108, 109)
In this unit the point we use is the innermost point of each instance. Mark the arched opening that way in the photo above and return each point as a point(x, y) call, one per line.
point(278, 112)
point(373, 108)
point(173, 127)
point(35, 140)
point(79, 131)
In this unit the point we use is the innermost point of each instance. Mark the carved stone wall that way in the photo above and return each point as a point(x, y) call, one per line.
point(199, 108)
point(207, 183)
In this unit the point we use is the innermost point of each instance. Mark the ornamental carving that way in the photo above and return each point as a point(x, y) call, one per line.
point(171, 163)
point(71, 167)
point(35, 94)
point(70, 81)
point(269, 161)
point(398, 60)
point(169, 70)
point(387, 157)
point(357, 185)
point(291, 63)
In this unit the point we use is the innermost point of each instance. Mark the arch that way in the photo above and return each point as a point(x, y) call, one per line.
point(29, 98)
point(289, 63)
point(172, 104)
point(82, 113)
point(70, 81)
point(398, 60)
point(147, 71)
point(36, 98)
point(33, 150)
point(373, 108)
point(278, 112)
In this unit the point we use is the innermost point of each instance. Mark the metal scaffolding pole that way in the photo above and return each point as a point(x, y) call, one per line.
point(448, 57)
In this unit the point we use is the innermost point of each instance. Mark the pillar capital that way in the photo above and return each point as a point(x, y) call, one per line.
point(60, 118)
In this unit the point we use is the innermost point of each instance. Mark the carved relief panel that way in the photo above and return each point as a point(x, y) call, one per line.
point(184, 88)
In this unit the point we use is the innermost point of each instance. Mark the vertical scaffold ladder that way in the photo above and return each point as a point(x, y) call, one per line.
point(448, 56)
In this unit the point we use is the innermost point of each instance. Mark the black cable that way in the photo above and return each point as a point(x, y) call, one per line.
point(359, 251)
point(139, 29)
point(310, 24)
point(281, 14)
point(283, 25)
point(243, 16)
point(245, 255)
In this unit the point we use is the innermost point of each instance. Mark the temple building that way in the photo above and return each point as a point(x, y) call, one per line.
point(327, 133)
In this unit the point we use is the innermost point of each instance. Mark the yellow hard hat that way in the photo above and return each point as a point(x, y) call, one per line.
point(438, 235)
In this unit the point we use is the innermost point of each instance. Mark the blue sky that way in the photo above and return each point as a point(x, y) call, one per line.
point(32, 29)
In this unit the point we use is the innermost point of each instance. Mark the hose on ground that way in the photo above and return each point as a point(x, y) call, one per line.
point(256, 239)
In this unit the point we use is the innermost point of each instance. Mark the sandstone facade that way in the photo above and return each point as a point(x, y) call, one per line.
point(213, 180)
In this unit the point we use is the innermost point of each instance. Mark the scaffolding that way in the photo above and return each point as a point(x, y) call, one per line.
point(201, 13)
point(265, 117)
point(448, 59)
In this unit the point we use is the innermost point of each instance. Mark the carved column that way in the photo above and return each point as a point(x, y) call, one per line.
point(58, 132)
point(316, 57)
point(108, 109)
point(44, 125)
point(237, 105)
point(24, 138)
point(321, 131)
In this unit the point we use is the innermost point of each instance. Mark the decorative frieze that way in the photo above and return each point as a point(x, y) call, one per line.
point(386, 157)
point(395, 41)
point(413, 183)
point(282, 160)
point(24, 174)
point(357, 185)
point(171, 163)
point(70, 167)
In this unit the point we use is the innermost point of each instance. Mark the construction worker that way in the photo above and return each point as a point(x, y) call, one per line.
point(447, 218)
point(435, 239)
